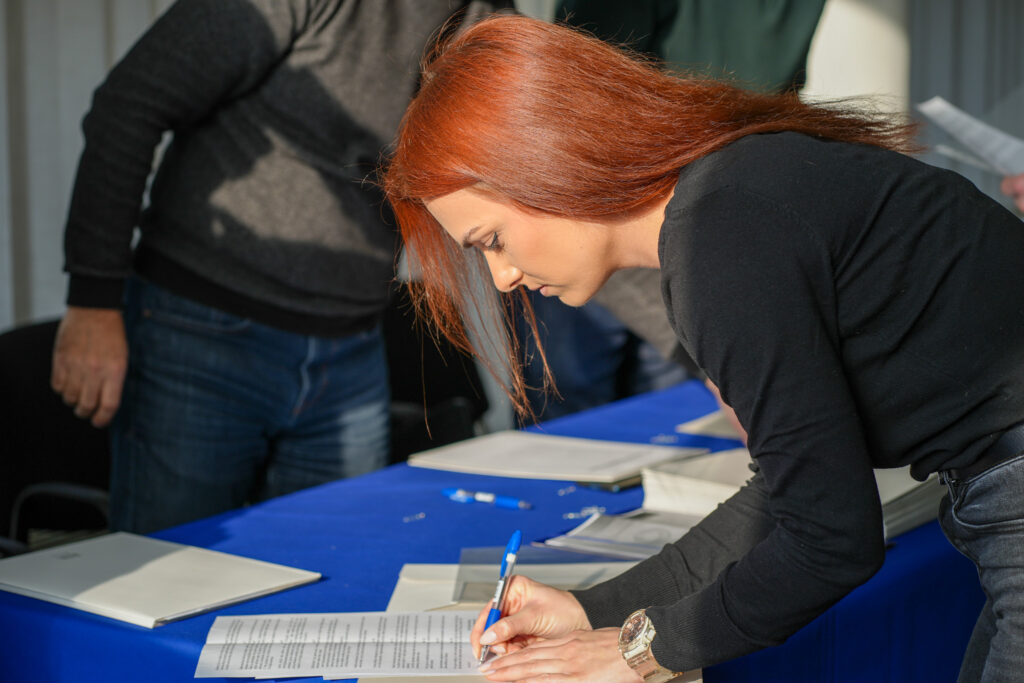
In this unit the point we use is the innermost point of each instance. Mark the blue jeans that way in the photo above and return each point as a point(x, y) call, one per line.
point(984, 518)
point(219, 411)
point(594, 358)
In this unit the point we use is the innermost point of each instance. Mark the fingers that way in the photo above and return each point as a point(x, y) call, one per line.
point(478, 629)
point(90, 359)
point(591, 656)
point(109, 399)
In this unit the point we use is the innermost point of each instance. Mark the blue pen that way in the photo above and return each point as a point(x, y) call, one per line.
point(464, 496)
point(508, 563)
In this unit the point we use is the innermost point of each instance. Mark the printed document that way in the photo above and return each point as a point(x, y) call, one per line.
point(339, 645)
point(1003, 152)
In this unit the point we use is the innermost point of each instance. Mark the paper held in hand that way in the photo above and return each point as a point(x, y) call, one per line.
point(1001, 152)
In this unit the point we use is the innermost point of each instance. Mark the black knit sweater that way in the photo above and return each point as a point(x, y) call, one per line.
point(858, 309)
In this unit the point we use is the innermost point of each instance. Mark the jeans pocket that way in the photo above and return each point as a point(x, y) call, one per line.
point(161, 306)
point(993, 499)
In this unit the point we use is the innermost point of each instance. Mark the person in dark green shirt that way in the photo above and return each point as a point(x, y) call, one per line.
point(620, 343)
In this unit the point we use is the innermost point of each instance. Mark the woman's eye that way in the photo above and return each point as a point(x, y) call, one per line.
point(492, 244)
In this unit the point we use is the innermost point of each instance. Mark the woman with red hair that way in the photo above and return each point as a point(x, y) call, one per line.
point(855, 307)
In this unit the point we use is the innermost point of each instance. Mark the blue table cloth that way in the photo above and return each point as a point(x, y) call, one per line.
point(909, 623)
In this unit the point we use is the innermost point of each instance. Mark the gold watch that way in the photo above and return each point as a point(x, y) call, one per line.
point(635, 645)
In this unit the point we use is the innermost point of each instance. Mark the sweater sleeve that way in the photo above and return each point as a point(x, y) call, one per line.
point(197, 55)
point(751, 293)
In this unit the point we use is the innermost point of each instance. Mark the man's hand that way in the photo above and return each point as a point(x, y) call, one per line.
point(1013, 186)
point(90, 358)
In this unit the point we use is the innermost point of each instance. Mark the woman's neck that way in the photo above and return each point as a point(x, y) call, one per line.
point(636, 238)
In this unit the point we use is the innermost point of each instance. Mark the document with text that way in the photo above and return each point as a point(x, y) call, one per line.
point(339, 645)
point(1000, 150)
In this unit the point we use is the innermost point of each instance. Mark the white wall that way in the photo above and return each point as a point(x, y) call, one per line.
point(55, 52)
point(861, 48)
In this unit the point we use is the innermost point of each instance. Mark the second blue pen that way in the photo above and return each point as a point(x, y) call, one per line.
point(464, 496)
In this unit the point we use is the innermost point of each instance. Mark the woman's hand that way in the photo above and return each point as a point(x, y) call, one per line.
point(535, 612)
point(581, 657)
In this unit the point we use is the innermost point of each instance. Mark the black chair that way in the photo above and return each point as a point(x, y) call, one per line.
point(54, 467)
point(436, 393)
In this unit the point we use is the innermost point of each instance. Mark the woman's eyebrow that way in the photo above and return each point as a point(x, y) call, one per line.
point(467, 240)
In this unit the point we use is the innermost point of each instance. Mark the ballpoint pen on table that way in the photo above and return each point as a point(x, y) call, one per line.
point(508, 563)
point(464, 496)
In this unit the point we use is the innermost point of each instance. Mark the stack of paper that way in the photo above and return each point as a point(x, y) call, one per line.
point(340, 645)
point(423, 637)
point(431, 587)
point(906, 502)
point(696, 486)
point(529, 455)
point(679, 493)
point(631, 536)
point(143, 580)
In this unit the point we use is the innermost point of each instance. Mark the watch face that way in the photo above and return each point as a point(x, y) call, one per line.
point(632, 629)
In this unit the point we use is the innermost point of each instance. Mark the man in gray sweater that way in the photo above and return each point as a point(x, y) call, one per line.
point(235, 345)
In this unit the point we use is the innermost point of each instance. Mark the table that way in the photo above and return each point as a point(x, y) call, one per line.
point(909, 623)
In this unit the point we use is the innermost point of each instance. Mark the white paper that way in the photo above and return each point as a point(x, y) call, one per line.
point(1002, 151)
point(698, 485)
point(633, 536)
point(423, 587)
point(541, 456)
point(712, 424)
point(339, 645)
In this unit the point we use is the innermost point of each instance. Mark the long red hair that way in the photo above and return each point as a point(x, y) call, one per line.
point(558, 122)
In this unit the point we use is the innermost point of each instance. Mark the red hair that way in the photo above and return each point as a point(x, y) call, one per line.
point(558, 122)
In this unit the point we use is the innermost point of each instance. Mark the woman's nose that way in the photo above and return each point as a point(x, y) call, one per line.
point(506, 276)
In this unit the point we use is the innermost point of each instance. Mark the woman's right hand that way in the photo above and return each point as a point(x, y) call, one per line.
point(534, 611)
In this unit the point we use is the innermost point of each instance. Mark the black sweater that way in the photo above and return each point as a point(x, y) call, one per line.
point(280, 110)
point(858, 309)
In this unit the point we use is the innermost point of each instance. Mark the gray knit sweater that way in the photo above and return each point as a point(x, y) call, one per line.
point(280, 110)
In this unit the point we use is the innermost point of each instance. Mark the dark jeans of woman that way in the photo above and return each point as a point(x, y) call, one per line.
point(984, 518)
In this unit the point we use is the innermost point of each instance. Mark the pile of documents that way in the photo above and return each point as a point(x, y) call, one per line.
point(340, 645)
point(529, 455)
point(679, 493)
point(423, 636)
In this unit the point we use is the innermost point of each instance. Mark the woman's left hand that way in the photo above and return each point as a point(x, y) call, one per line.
point(581, 657)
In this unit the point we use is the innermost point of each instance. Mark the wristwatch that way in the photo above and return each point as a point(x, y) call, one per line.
point(635, 645)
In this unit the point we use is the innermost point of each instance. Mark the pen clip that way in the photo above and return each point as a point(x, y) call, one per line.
point(510, 551)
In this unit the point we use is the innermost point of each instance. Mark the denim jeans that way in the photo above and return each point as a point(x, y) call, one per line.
point(219, 411)
point(595, 359)
point(984, 518)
